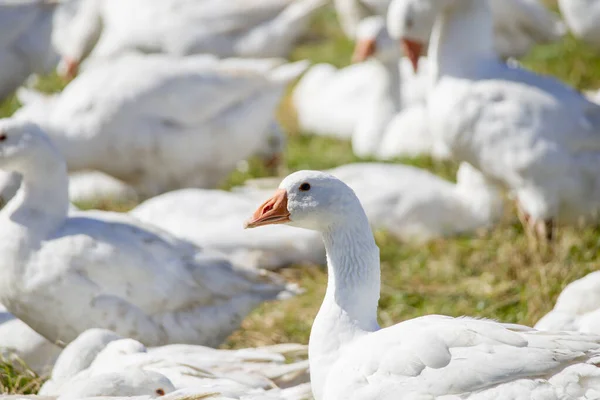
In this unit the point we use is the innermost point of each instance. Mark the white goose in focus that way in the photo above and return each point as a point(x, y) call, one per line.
point(429, 357)
point(63, 274)
point(102, 30)
point(161, 123)
point(577, 307)
point(531, 133)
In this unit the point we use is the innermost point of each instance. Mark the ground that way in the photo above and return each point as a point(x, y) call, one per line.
point(493, 274)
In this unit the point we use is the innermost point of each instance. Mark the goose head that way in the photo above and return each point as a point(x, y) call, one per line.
point(77, 27)
point(309, 199)
point(24, 145)
point(373, 40)
point(411, 22)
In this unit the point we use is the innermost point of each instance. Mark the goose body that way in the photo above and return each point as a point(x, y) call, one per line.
point(131, 277)
point(329, 101)
point(582, 17)
point(211, 219)
point(362, 102)
point(577, 307)
point(159, 123)
point(416, 205)
point(429, 357)
point(103, 30)
point(98, 352)
point(25, 45)
point(421, 206)
point(538, 137)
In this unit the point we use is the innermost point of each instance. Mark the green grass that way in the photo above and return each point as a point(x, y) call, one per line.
point(493, 274)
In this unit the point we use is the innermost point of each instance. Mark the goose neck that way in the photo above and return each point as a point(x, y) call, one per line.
point(462, 39)
point(42, 201)
point(349, 309)
point(393, 82)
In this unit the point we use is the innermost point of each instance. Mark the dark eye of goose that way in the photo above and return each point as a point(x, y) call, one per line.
point(3, 137)
point(305, 187)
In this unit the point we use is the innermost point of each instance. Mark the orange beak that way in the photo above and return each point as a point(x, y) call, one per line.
point(272, 211)
point(412, 49)
point(364, 49)
point(72, 68)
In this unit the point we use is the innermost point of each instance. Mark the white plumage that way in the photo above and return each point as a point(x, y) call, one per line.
point(537, 136)
point(518, 24)
point(25, 44)
point(98, 355)
point(429, 357)
point(64, 274)
point(577, 308)
point(103, 29)
point(160, 123)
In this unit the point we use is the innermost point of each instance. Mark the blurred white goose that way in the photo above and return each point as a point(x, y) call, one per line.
point(103, 29)
point(428, 357)
point(211, 219)
point(416, 205)
point(98, 352)
point(85, 187)
point(329, 101)
point(160, 123)
point(583, 19)
point(64, 274)
point(537, 136)
point(394, 124)
point(358, 100)
point(18, 340)
point(25, 44)
point(577, 307)
point(518, 24)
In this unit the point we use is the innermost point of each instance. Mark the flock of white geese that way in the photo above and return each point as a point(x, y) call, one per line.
point(168, 97)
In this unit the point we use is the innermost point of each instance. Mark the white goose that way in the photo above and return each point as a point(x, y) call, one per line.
point(429, 357)
point(160, 123)
point(25, 45)
point(577, 308)
point(538, 137)
point(98, 352)
point(357, 102)
point(63, 274)
point(330, 101)
point(415, 205)
point(583, 17)
point(518, 24)
point(104, 30)
point(393, 124)
point(210, 219)
point(420, 206)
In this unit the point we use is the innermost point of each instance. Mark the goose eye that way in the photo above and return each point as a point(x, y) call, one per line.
point(3, 137)
point(305, 187)
point(160, 392)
